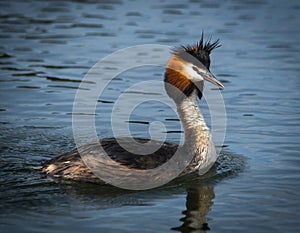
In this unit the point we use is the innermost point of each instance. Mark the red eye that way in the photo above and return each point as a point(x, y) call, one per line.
point(195, 69)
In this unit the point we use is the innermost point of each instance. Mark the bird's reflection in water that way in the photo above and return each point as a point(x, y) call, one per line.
point(198, 204)
point(200, 192)
point(199, 201)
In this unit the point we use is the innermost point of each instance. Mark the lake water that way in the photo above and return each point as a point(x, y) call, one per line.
point(46, 47)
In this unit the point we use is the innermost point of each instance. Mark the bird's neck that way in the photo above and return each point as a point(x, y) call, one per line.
point(197, 139)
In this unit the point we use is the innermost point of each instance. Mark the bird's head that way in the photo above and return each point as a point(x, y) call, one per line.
point(187, 69)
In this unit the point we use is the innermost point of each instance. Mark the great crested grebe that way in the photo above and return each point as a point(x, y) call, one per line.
point(185, 73)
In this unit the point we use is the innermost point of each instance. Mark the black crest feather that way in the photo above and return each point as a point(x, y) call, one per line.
point(201, 50)
point(207, 46)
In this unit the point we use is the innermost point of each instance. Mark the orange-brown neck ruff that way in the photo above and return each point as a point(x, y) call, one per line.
point(176, 76)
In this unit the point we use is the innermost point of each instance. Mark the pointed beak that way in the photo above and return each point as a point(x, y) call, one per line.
point(206, 75)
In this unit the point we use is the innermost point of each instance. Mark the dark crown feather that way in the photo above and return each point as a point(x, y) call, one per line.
point(201, 50)
point(207, 46)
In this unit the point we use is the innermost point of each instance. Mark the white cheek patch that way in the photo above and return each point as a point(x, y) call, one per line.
point(192, 74)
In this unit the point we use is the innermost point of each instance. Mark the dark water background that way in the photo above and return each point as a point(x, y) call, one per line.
point(46, 47)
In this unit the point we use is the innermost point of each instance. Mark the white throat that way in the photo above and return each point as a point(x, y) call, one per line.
point(197, 138)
